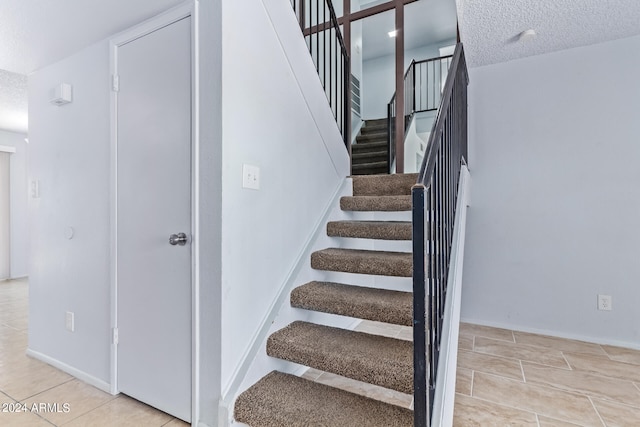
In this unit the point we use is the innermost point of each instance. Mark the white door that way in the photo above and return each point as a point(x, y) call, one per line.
point(5, 257)
point(154, 203)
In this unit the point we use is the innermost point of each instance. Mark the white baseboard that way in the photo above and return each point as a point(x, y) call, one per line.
point(552, 333)
point(81, 375)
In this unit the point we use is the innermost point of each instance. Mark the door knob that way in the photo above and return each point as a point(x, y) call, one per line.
point(178, 239)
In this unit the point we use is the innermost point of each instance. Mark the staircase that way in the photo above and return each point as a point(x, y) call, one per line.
point(280, 399)
point(370, 153)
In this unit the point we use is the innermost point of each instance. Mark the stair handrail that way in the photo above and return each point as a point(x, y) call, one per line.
point(411, 105)
point(336, 64)
point(433, 214)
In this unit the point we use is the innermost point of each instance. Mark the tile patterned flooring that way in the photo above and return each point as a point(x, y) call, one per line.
point(505, 378)
point(510, 378)
point(25, 381)
point(516, 378)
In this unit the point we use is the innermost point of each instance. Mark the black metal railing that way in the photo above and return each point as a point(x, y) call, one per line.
point(423, 84)
point(433, 210)
point(322, 33)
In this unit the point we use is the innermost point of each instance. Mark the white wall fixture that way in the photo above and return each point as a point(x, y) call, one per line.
point(61, 94)
point(529, 34)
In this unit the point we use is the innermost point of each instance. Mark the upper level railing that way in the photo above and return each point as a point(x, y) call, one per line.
point(423, 84)
point(433, 213)
point(322, 33)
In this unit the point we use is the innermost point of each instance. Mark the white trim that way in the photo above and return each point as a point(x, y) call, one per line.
point(187, 9)
point(6, 149)
point(229, 394)
point(553, 333)
point(446, 378)
point(195, 212)
point(81, 375)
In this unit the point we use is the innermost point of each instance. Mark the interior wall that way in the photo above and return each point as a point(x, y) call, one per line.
point(19, 227)
point(378, 78)
point(277, 119)
point(69, 155)
point(553, 219)
point(5, 252)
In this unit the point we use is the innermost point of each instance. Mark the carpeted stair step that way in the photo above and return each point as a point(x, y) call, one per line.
point(369, 146)
point(364, 156)
point(370, 171)
point(380, 305)
point(371, 137)
point(383, 230)
point(368, 129)
point(279, 400)
point(370, 165)
point(374, 359)
point(389, 185)
point(383, 263)
point(376, 122)
point(375, 203)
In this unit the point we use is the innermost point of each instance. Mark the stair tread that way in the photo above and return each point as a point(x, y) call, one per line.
point(369, 154)
point(383, 230)
point(360, 261)
point(395, 184)
point(374, 171)
point(372, 135)
point(381, 305)
point(375, 203)
point(281, 399)
point(374, 359)
point(369, 165)
point(366, 130)
point(368, 145)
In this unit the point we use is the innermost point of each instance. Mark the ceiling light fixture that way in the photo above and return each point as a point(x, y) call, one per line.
point(393, 33)
point(527, 35)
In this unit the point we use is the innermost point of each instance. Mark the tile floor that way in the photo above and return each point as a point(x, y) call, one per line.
point(510, 378)
point(25, 381)
point(515, 378)
point(505, 378)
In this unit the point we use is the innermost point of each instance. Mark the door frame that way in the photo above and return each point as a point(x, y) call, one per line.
point(164, 19)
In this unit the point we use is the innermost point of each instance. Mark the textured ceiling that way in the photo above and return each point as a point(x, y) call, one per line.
point(489, 28)
point(13, 102)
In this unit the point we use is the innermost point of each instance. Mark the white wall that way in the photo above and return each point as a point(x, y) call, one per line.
point(19, 233)
point(69, 152)
point(378, 81)
point(277, 119)
point(554, 214)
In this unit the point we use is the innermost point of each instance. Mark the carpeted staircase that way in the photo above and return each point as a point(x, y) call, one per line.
point(280, 399)
point(370, 153)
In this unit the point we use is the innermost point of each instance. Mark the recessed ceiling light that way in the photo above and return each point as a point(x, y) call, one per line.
point(393, 33)
point(527, 35)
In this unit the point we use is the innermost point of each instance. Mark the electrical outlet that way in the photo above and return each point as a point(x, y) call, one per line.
point(605, 302)
point(69, 321)
point(251, 177)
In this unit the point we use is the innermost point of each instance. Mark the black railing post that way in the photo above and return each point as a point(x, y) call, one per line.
point(420, 383)
point(413, 91)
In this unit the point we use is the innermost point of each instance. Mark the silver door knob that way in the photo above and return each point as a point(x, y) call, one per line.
point(178, 239)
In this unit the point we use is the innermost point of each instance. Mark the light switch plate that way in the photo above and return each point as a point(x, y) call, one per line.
point(251, 177)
